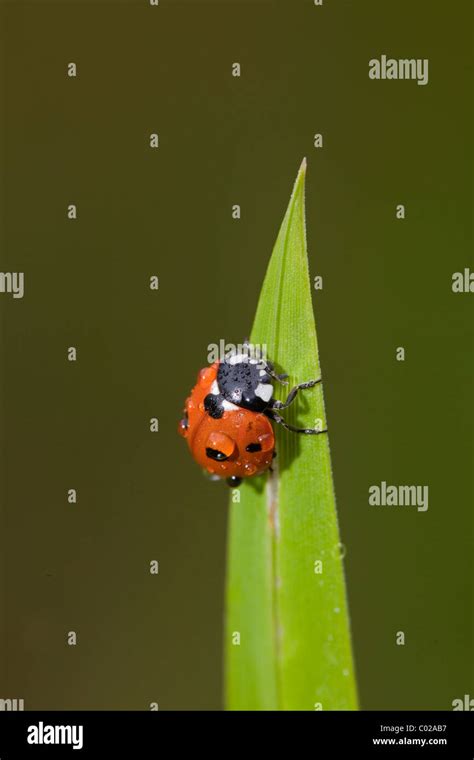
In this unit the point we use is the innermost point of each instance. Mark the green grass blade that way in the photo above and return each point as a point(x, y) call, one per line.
point(294, 650)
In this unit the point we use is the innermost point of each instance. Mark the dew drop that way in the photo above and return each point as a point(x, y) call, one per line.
point(339, 551)
point(266, 441)
point(204, 375)
point(238, 419)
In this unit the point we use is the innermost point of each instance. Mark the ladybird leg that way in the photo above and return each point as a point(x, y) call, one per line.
point(270, 370)
point(279, 419)
point(292, 394)
point(281, 378)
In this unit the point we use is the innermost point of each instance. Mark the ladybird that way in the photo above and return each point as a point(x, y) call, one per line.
point(228, 416)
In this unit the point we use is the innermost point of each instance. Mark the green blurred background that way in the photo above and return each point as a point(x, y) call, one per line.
point(167, 212)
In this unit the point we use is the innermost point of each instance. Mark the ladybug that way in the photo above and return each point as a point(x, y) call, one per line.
point(228, 416)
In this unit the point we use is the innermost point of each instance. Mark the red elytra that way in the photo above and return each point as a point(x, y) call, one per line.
point(231, 435)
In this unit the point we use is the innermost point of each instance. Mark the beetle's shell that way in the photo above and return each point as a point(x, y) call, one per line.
point(242, 425)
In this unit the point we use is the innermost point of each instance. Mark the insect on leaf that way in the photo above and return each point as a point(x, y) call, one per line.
point(287, 636)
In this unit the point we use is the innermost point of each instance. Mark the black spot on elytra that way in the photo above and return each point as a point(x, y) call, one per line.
point(213, 406)
point(218, 456)
point(253, 447)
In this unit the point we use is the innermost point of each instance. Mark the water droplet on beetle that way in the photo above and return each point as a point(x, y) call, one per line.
point(239, 416)
point(204, 375)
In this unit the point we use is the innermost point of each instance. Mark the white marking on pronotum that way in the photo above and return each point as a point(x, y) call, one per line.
point(264, 391)
point(236, 359)
point(229, 407)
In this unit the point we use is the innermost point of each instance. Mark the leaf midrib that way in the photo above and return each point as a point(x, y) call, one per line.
point(272, 489)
